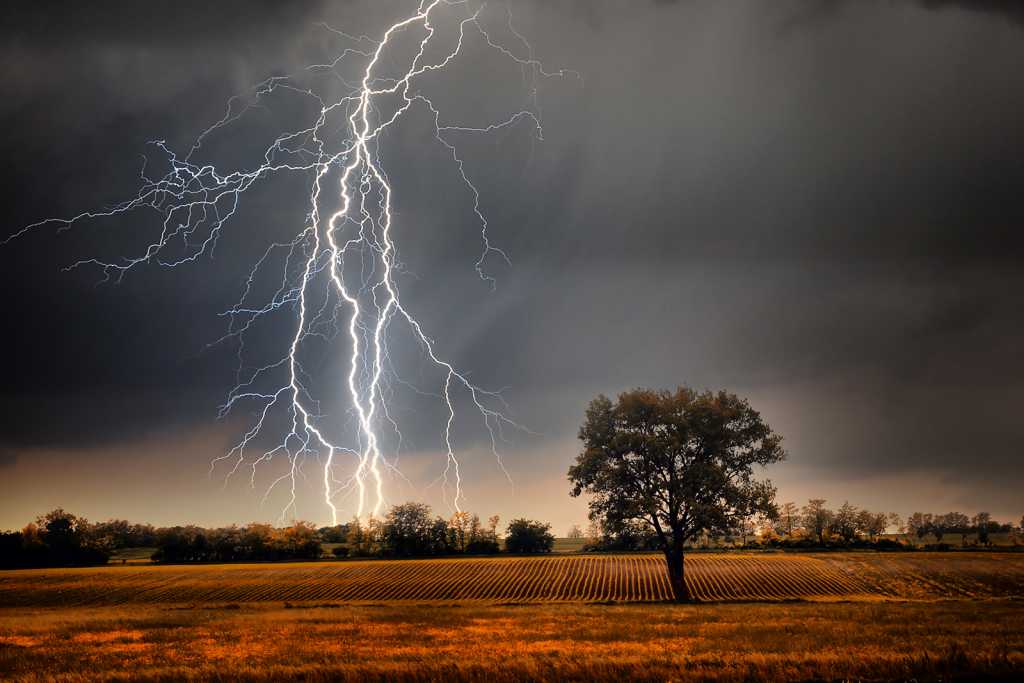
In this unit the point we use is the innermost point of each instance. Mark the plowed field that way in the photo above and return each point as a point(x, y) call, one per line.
point(620, 578)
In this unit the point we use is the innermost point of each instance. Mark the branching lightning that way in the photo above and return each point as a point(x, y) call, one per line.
point(339, 273)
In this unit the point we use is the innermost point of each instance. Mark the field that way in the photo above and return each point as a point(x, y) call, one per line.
point(142, 555)
point(773, 617)
point(568, 545)
point(563, 578)
point(132, 556)
point(879, 641)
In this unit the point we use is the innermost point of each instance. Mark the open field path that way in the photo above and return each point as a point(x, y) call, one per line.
point(495, 580)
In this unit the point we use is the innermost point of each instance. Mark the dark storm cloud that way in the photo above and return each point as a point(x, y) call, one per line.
point(85, 88)
point(827, 219)
point(160, 22)
point(1008, 8)
point(812, 11)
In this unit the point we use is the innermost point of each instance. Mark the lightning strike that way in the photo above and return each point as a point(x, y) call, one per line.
point(339, 272)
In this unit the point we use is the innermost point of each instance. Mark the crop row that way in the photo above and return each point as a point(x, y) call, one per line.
point(514, 580)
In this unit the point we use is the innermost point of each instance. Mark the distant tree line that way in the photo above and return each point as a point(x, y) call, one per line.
point(56, 539)
point(409, 530)
point(255, 542)
point(981, 525)
point(816, 525)
point(60, 538)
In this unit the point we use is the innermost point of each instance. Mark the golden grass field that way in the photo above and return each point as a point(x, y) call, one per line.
point(775, 617)
point(722, 642)
point(566, 578)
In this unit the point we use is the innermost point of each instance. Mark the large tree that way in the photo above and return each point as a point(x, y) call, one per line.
point(681, 462)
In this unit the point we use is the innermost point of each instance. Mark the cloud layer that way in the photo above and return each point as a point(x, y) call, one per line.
point(825, 219)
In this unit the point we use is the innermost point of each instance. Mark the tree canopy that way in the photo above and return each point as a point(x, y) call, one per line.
point(529, 536)
point(682, 462)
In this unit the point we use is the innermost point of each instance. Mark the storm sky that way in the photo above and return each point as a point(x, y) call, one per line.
point(817, 205)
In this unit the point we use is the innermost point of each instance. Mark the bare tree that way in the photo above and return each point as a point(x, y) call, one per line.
point(844, 522)
point(921, 524)
point(981, 522)
point(871, 524)
point(817, 519)
point(956, 523)
point(788, 521)
point(745, 529)
point(459, 530)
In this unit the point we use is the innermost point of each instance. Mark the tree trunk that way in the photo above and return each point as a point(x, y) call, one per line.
point(674, 558)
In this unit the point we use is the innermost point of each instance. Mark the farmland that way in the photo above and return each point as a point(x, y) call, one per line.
point(768, 616)
point(712, 577)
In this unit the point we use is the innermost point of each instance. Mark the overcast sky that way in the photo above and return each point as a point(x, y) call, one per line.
point(817, 205)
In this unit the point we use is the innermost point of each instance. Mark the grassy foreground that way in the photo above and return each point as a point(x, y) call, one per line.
point(961, 640)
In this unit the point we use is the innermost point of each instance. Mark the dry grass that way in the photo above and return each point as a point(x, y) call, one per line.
point(722, 642)
point(859, 616)
point(622, 578)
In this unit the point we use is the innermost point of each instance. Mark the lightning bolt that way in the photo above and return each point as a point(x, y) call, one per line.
point(339, 273)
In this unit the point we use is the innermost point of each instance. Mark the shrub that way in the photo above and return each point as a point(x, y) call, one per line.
point(529, 536)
